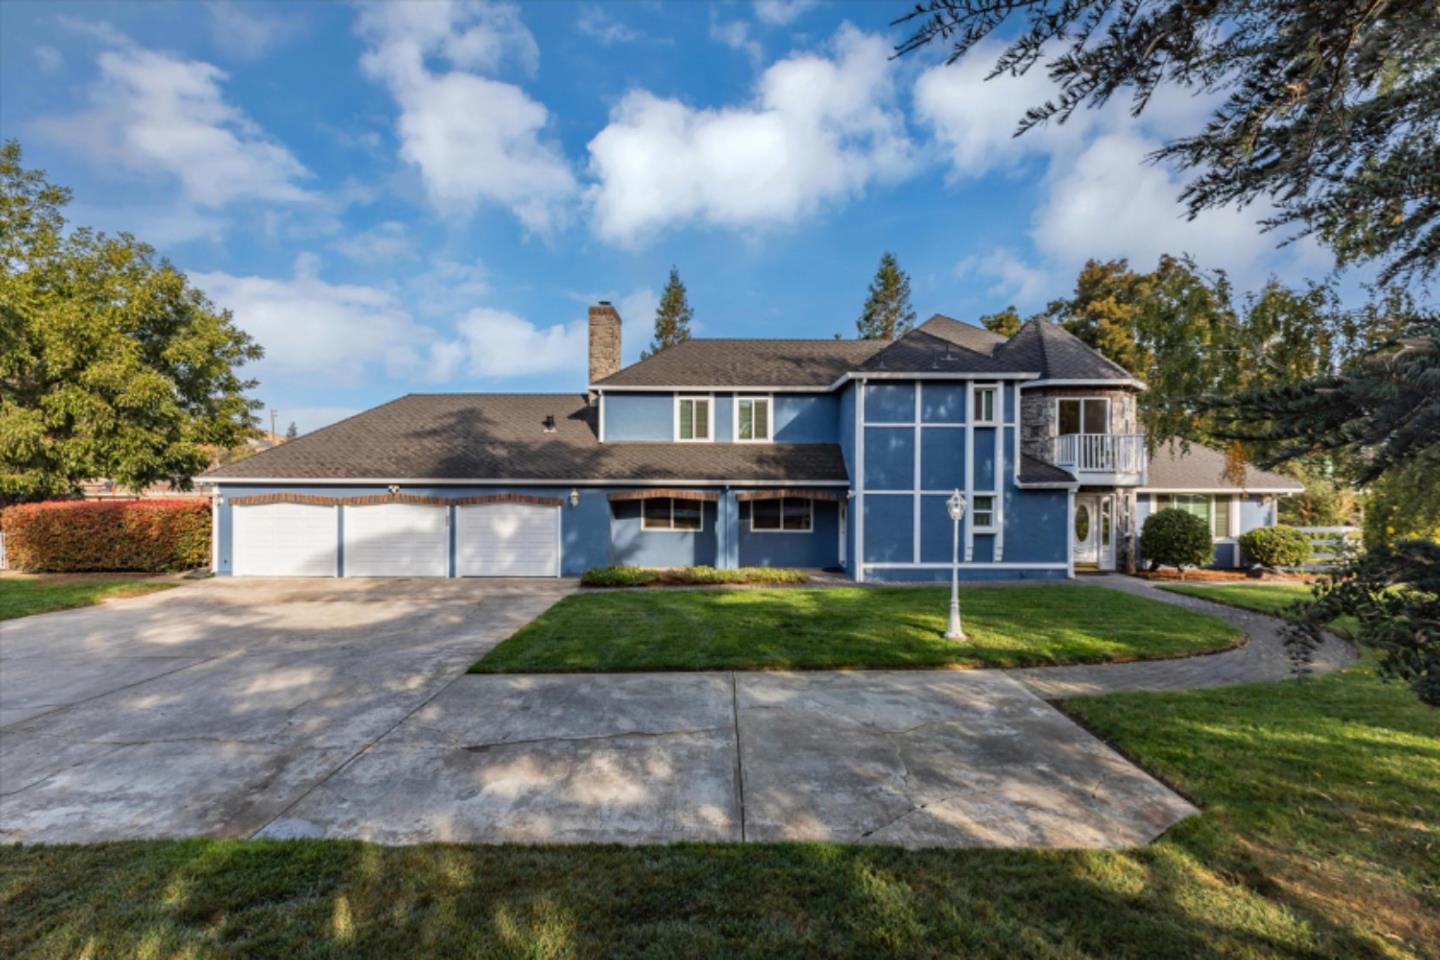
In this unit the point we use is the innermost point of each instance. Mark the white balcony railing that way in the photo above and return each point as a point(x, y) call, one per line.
point(1109, 453)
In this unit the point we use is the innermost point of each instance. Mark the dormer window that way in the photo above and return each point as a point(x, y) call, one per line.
point(985, 402)
point(693, 418)
point(752, 419)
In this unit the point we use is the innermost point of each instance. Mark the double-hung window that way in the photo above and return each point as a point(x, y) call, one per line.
point(982, 512)
point(752, 418)
point(668, 513)
point(985, 400)
point(782, 515)
point(692, 418)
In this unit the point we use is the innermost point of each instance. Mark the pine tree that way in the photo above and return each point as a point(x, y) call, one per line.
point(888, 313)
point(672, 317)
point(292, 431)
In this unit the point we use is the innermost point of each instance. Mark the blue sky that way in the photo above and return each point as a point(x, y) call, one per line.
point(424, 196)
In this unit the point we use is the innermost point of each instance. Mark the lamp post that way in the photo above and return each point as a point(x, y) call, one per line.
point(956, 506)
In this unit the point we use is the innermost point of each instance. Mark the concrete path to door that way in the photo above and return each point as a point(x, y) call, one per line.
point(340, 708)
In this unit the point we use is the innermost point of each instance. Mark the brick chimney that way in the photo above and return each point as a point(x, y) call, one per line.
point(604, 341)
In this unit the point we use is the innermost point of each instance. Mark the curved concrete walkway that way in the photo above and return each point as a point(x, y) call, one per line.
point(1262, 659)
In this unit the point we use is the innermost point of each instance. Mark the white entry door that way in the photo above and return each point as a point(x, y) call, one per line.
point(397, 540)
point(508, 540)
point(284, 540)
point(1094, 533)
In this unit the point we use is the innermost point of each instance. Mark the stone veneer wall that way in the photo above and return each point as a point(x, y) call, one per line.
point(1037, 416)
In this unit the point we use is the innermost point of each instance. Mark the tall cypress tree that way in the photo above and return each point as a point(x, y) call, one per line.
point(672, 317)
point(887, 313)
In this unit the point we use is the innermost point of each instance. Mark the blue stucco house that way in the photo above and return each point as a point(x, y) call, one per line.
point(797, 453)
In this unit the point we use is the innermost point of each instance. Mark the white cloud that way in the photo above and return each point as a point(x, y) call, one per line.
point(388, 241)
point(500, 344)
point(735, 34)
point(1015, 278)
point(604, 29)
point(48, 59)
point(779, 13)
point(154, 113)
point(472, 138)
point(248, 32)
point(819, 129)
point(1097, 195)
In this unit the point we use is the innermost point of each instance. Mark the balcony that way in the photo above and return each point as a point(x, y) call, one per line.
point(1105, 459)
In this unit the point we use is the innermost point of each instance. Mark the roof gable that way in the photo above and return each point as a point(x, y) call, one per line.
point(1057, 354)
point(746, 363)
point(1203, 468)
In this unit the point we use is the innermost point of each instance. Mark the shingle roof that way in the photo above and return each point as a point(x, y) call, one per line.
point(1056, 354)
point(747, 363)
point(962, 334)
point(469, 436)
point(921, 352)
point(1035, 470)
point(1203, 468)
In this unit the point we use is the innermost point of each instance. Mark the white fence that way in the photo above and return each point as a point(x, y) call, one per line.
point(1328, 543)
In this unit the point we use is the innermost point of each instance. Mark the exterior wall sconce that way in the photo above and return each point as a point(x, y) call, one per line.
point(394, 488)
point(574, 497)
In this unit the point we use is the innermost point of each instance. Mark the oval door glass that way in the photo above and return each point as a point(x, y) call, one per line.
point(1082, 522)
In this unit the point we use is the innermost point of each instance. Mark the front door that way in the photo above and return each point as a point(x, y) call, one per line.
point(1094, 533)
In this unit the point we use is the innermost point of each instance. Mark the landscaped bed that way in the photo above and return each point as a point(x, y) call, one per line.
point(21, 596)
point(852, 627)
point(1318, 838)
point(1271, 598)
point(688, 576)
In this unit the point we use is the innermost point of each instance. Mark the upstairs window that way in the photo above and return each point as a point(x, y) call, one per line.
point(982, 513)
point(670, 514)
point(1087, 415)
point(985, 399)
point(752, 418)
point(692, 418)
point(788, 515)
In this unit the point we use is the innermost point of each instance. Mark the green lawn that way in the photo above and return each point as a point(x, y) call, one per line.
point(1270, 598)
point(1319, 840)
point(23, 596)
point(845, 627)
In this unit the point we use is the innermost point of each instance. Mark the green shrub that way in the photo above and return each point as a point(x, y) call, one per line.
point(682, 576)
point(1174, 538)
point(79, 536)
point(618, 577)
point(1278, 546)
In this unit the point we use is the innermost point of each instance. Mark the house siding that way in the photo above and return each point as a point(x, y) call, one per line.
point(819, 548)
point(1256, 510)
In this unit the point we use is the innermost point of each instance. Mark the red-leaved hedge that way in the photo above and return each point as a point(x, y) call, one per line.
point(80, 536)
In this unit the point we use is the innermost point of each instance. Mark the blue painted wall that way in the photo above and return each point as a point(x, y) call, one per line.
point(889, 458)
point(942, 458)
point(819, 548)
point(889, 528)
point(1037, 525)
point(632, 546)
point(941, 575)
point(639, 416)
point(943, 401)
point(807, 418)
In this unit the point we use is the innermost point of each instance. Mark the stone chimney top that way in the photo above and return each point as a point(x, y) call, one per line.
point(604, 341)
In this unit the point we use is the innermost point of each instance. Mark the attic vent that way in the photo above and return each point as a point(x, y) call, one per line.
point(549, 423)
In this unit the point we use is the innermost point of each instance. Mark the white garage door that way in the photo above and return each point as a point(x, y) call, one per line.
point(284, 540)
point(397, 540)
point(508, 540)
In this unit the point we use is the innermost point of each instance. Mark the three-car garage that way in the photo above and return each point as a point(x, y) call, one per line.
point(296, 535)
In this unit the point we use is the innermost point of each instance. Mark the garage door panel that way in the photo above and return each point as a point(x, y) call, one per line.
point(397, 540)
point(284, 540)
point(508, 540)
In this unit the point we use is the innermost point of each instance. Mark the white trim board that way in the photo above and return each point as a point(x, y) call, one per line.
point(968, 565)
point(516, 482)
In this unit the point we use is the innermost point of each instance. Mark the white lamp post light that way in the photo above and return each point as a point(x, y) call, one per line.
point(956, 506)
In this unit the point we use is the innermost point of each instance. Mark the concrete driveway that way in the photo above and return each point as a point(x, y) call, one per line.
point(340, 708)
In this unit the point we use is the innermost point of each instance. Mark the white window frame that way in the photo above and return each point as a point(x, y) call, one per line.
point(644, 520)
point(993, 525)
point(1232, 516)
point(709, 399)
point(994, 418)
point(1082, 401)
point(810, 515)
point(769, 400)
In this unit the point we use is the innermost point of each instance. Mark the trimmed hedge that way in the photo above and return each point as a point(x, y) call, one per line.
point(85, 536)
point(1174, 538)
point(1278, 546)
point(683, 576)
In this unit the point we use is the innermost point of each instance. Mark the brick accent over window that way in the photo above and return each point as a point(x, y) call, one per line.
point(839, 496)
point(665, 493)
